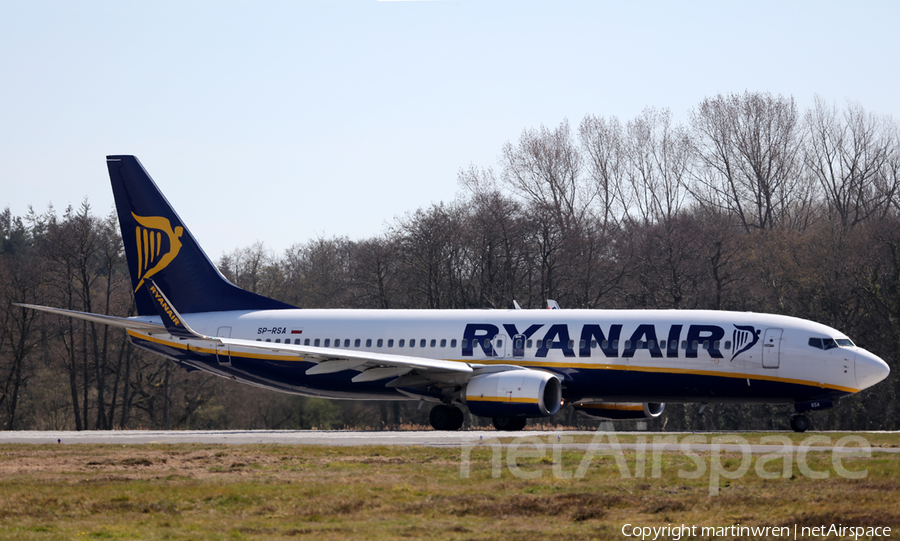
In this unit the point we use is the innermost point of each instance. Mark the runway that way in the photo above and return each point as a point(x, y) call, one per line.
point(584, 440)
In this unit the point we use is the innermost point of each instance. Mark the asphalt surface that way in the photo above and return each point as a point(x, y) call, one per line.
point(654, 441)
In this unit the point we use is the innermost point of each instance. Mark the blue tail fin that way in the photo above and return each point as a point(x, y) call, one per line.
point(159, 246)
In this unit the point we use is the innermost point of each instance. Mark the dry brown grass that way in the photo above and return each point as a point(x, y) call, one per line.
point(311, 492)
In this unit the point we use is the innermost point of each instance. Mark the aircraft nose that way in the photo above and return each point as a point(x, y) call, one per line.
point(870, 369)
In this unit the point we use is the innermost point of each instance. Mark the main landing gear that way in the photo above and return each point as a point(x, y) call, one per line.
point(509, 424)
point(799, 423)
point(444, 417)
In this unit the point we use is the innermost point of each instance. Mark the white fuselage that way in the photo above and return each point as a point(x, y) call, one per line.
point(642, 355)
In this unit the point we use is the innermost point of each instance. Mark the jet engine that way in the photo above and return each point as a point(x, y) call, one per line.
point(514, 393)
point(621, 410)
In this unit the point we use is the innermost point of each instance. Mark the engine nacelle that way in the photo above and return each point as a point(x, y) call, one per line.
point(621, 410)
point(514, 393)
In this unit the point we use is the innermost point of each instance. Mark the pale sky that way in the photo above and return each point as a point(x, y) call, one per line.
point(285, 121)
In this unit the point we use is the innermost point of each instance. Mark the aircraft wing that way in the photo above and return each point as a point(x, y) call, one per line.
point(405, 371)
point(371, 365)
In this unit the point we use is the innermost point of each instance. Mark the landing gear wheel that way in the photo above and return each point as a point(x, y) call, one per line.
point(799, 423)
point(445, 417)
point(509, 424)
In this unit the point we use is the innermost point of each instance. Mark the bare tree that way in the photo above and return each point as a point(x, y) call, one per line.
point(545, 168)
point(429, 247)
point(853, 158)
point(658, 157)
point(748, 150)
point(603, 143)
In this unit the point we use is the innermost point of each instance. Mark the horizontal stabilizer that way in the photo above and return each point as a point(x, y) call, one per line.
point(123, 322)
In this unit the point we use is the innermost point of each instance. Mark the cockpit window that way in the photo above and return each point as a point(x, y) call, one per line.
point(830, 343)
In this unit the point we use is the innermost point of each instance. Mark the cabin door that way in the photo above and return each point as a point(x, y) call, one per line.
point(771, 355)
point(518, 346)
point(223, 352)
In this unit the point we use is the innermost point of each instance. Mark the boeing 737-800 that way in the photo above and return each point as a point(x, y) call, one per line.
point(509, 365)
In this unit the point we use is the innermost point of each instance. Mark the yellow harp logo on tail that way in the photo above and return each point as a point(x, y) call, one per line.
point(157, 245)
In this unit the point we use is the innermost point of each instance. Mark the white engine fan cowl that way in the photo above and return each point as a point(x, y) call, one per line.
point(514, 393)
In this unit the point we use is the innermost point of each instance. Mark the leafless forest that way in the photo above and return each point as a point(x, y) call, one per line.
point(751, 204)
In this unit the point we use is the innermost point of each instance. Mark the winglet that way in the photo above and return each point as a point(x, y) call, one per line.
point(175, 324)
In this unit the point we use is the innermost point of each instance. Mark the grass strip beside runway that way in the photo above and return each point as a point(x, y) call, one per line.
point(196, 491)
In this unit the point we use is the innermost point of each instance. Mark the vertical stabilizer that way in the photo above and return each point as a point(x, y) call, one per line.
point(159, 246)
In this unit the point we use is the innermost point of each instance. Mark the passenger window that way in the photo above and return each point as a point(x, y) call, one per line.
point(627, 344)
point(651, 344)
point(465, 343)
point(380, 342)
point(401, 343)
point(317, 342)
point(615, 344)
point(716, 344)
point(604, 343)
point(499, 343)
point(368, 342)
point(278, 340)
point(268, 339)
point(297, 341)
point(453, 343)
point(356, 343)
point(390, 342)
point(528, 344)
point(422, 343)
point(727, 344)
point(443, 342)
point(433, 342)
point(684, 344)
point(346, 342)
point(412, 342)
point(593, 344)
point(706, 344)
point(694, 345)
point(328, 342)
point(486, 344)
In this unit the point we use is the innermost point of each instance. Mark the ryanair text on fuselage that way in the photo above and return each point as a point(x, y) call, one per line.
point(592, 336)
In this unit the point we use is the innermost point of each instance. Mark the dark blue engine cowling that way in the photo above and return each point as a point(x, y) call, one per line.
point(621, 410)
point(514, 393)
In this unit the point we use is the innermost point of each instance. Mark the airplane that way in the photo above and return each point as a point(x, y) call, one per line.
point(507, 365)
